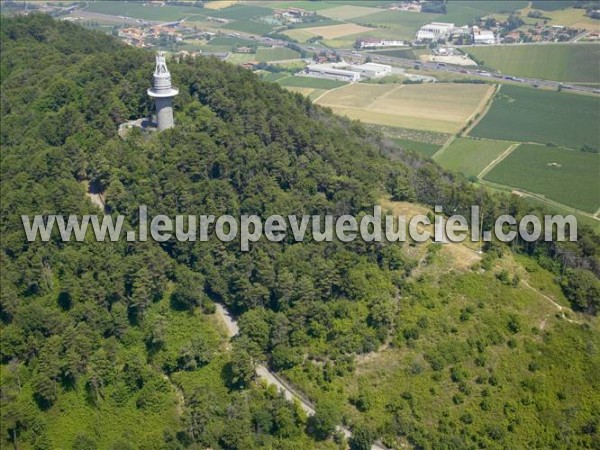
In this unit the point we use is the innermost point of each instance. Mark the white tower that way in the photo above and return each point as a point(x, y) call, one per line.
point(163, 92)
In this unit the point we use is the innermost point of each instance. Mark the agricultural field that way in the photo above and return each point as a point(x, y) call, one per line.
point(346, 12)
point(276, 54)
point(574, 18)
point(471, 156)
point(566, 176)
point(310, 82)
point(311, 93)
point(559, 62)
point(423, 148)
point(551, 5)
point(335, 31)
point(530, 115)
point(444, 108)
point(139, 11)
point(249, 26)
point(405, 24)
point(241, 58)
point(219, 4)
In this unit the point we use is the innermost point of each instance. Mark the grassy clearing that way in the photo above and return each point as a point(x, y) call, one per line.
point(530, 115)
point(471, 156)
point(423, 148)
point(569, 177)
point(276, 54)
point(560, 62)
point(470, 356)
point(442, 108)
point(310, 82)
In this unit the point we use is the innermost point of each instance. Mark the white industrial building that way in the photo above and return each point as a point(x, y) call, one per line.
point(372, 70)
point(348, 72)
point(332, 73)
point(380, 43)
point(435, 31)
point(483, 36)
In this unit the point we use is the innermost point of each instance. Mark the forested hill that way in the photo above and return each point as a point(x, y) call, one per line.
point(114, 345)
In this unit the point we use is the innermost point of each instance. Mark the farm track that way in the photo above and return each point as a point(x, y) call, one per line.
point(497, 161)
point(482, 110)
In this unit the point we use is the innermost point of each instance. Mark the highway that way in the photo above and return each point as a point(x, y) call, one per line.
point(432, 66)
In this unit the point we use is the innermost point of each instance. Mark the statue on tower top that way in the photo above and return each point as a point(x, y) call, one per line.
point(163, 92)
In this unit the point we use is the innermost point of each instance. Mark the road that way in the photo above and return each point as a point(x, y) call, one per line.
point(431, 66)
point(271, 378)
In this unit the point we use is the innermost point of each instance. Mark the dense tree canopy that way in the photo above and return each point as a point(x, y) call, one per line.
point(117, 322)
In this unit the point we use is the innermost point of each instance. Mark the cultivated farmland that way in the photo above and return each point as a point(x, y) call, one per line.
point(275, 54)
point(336, 31)
point(569, 177)
point(530, 115)
point(560, 62)
point(310, 82)
point(423, 148)
point(436, 107)
point(348, 12)
point(471, 156)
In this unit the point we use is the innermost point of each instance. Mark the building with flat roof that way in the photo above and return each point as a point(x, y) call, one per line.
point(435, 31)
point(378, 43)
point(483, 36)
point(372, 70)
point(332, 73)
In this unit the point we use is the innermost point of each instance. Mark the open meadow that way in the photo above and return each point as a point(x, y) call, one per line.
point(444, 108)
point(471, 156)
point(567, 176)
point(530, 115)
point(559, 62)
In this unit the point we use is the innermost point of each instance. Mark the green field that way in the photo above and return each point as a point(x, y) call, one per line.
point(530, 115)
point(471, 156)
point(250, 26)
point(310, 82)
point(569, 177)
point(276, 54)
point(551, 5)
point(559, 62)
point(234, 41)
point(138, 11)
point(420, 147)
